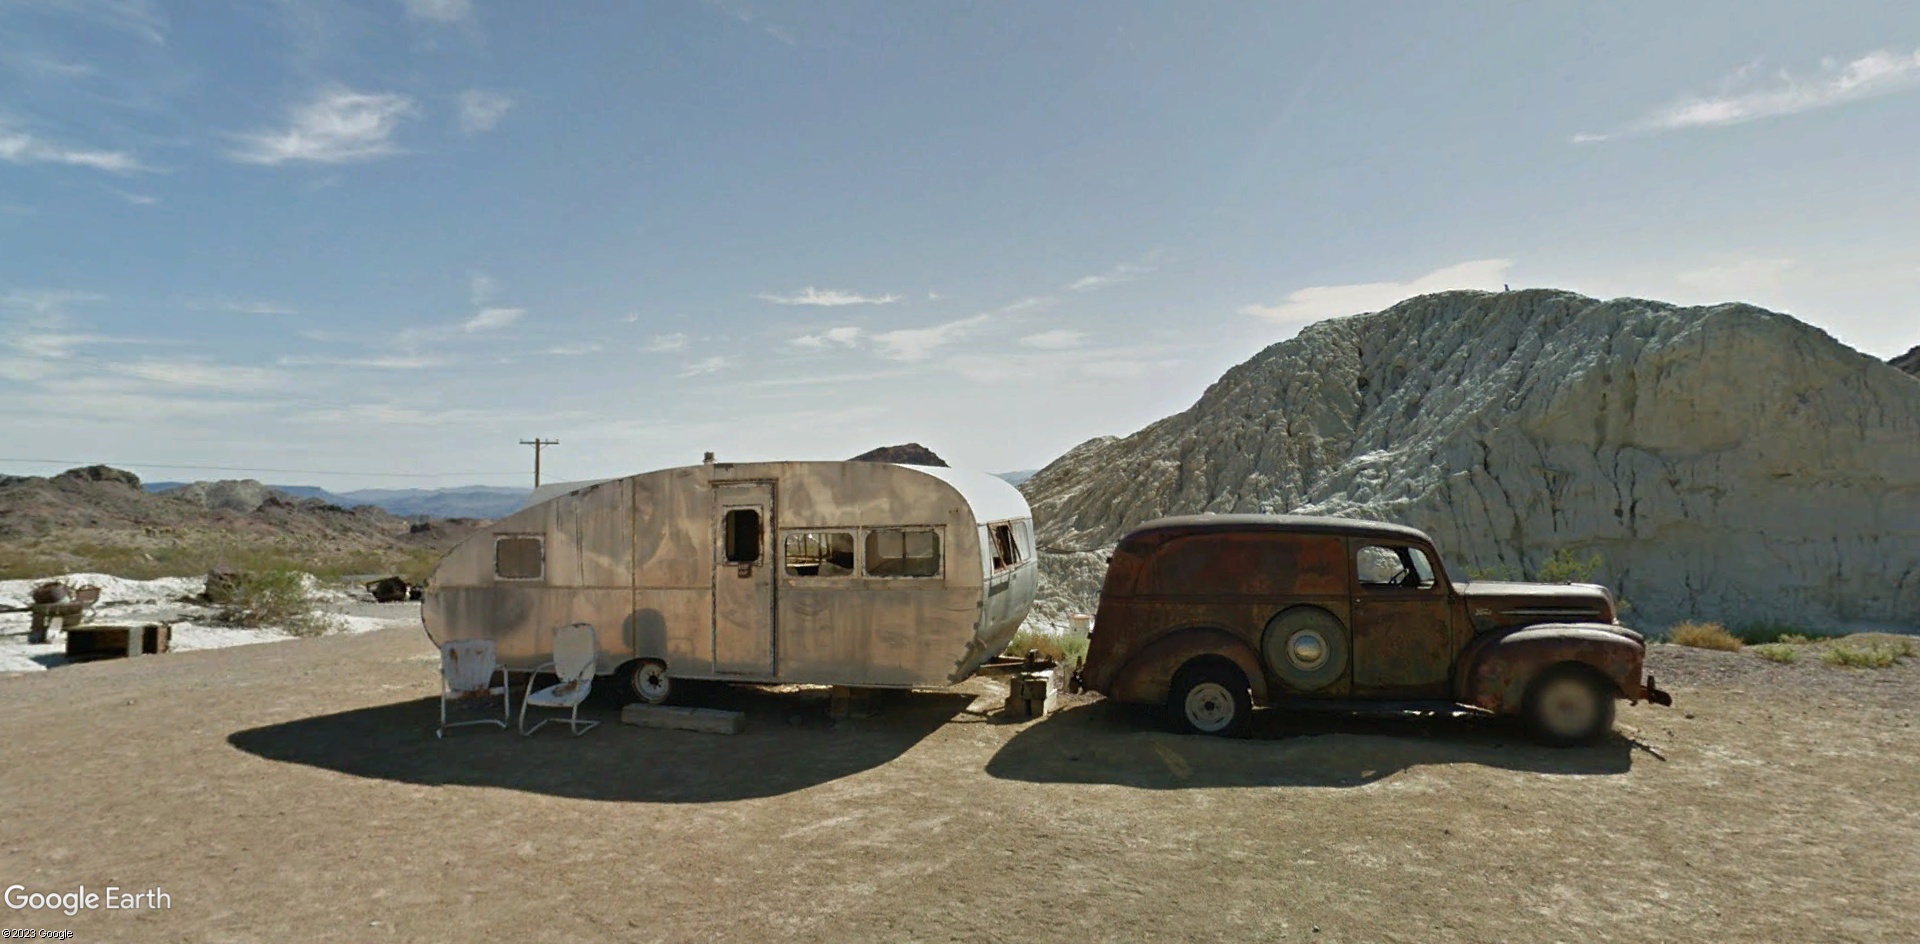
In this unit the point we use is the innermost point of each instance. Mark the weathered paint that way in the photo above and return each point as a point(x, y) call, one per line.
point(1185, 588)
point(638, 559)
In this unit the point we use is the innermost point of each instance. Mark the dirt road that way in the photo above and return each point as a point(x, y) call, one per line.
point(295, 791)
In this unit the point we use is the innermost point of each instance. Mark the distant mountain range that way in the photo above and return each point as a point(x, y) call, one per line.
point(466, 501)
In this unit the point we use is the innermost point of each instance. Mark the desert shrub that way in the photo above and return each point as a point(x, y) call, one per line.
point(274, 598)
point(1766, 632)
point(1704, 636)
point(1061, 648)
point(1877, 654)
point(1783, 653)
point(1563, 567)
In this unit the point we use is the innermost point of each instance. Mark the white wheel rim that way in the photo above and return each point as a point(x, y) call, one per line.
point(1209, 706)
point(1567, 707)
point(650, 682)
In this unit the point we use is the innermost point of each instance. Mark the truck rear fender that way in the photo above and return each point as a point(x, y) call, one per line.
point(1148, 675)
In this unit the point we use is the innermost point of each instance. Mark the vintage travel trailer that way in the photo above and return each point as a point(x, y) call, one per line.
point(835, 573)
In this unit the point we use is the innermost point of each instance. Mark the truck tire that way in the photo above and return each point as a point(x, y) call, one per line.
point(1569, 705)
point(1210, 697)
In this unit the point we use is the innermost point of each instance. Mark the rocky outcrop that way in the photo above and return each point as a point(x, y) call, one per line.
point(1909, 362)
point(908, 454)
point(1723, 462)
point(101, 473)
point(243, 495)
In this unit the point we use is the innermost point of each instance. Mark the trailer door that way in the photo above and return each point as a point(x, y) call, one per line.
point(743, 579)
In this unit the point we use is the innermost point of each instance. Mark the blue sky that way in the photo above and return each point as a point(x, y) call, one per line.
point(394, 237)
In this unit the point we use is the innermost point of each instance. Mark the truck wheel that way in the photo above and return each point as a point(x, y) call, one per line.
point(1569, 705)
point(1211, 698)
point(649, 682)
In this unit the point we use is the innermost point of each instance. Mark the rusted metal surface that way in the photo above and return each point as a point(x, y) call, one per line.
point(1210, 586)
point(642, 559)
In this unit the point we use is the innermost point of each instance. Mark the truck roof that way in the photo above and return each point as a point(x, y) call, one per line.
point(1299, 524)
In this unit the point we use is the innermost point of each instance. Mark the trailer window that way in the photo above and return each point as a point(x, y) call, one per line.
point(898, 552)
point(1005, 552)
point(742, 527)
point(819, 553)
point(519, 558)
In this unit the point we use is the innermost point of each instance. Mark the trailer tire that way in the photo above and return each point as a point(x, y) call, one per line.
point(647, 680)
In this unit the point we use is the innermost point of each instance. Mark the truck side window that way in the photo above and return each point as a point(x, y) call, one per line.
point(1405, 568)
point(742, 530)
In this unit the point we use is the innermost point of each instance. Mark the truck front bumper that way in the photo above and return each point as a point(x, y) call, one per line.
point(1654, 695)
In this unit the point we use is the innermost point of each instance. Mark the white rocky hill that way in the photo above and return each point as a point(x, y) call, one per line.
point(1724, 462)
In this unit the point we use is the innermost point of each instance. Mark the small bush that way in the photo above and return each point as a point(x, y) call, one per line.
point(1877, 654)
point(1704, 636)
point(1780, 652)
point(1765, 632)
point(274, 598)
point(1564, 567)
point(1063, 649)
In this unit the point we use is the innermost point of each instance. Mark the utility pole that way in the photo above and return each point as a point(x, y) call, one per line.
point(537, 443)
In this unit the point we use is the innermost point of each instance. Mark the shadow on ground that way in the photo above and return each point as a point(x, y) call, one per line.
point(1103, 742)
point(789, 744)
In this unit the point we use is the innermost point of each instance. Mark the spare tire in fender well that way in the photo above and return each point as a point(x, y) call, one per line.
point(1148, 675)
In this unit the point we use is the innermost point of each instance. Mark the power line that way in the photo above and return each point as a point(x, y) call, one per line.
point(537, 443)
point(74, 463)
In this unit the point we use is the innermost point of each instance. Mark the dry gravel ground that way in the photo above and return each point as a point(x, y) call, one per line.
point(295, 792)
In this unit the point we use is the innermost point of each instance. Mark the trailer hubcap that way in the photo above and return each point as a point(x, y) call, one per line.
point(651, 683)
point(1209, 706)
point(1567, 707)
point(1307, 649)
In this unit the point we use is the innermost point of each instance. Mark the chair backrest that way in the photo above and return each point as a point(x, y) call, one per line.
point(574, 652)
point(467, 664)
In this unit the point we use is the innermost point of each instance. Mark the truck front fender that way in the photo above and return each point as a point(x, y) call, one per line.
point(1498, 667)
point(1148, 675)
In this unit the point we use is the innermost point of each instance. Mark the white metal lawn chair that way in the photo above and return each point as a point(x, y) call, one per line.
point(467, 670)
point(575, 651)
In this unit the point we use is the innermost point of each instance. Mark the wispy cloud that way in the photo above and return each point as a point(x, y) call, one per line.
point(1055, 340)
point(844, 336)
point(740, 12)
point(1329, 301)
point(241, 307)
point(380, 362)
point(137, 199)
point(481, 110)
point(201, 375)
point(918, 344)
point(439, 11)
point(576, 349)
point(48, 301)
point(482, 288)
point(1124, 272)
point(142, 18)
point(1742, 99)
point(339, 126)
point(828, 298)
point(711, 365)
point(666, 343)
point(18, 146)
point(490, 319)
point(49, 67)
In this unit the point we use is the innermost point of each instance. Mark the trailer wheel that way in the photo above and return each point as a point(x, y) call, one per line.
point(1569, 705)
point(648, 681)
point(1210, 697)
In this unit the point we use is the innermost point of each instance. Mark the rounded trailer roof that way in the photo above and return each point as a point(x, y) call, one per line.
point(990, 497)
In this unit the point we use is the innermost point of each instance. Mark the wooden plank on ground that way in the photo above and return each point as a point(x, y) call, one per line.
point(679, 718)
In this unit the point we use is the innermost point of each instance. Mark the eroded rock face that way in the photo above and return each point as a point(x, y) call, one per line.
point(905, 454)
point(1725, 462)
point(1909, 362)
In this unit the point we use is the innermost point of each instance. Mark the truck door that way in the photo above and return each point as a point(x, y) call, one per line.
point(1402, 638)
point(743, 640)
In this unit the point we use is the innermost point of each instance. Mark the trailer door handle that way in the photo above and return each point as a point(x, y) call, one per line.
point(746, 570)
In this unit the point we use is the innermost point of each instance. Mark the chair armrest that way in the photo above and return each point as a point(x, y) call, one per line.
point(533, 675)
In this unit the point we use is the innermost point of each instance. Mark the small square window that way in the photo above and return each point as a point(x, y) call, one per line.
point(742, 530)
point(898, 552)
point(819, 553)
point(519, 557)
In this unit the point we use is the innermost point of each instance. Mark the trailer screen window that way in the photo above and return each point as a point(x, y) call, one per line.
point(897, 552)
point(519, 558)
point(1006, 553)
point(742, 526)
point(819, 553)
